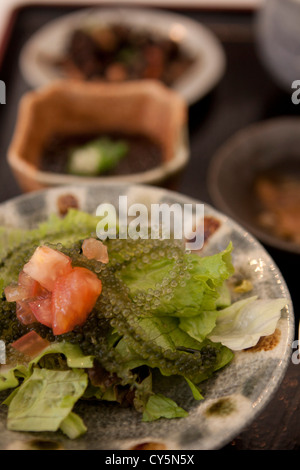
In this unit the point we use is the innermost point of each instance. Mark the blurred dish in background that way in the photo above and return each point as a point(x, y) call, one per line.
point(117, 44)
point(278, 39)
point(255, 178)
point(118, 52)
point(278, 191)
point(77, 132)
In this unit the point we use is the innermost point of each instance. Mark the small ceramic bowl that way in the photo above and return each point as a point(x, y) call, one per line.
point(262, 148)
point(69, 107)
point(278, 40)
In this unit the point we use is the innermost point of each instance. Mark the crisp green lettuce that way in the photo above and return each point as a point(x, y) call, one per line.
point(200, 326)
point(9, 376)
point(224, 299)
point(180, 322)
point(165, 332)
point(73, 426)
point(159, 406)
point(195, 390)
point(45, 399)
point(241, 325)
point(206, 276)
point(72, 352)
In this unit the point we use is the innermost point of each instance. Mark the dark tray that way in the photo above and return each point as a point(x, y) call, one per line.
point(245, 95)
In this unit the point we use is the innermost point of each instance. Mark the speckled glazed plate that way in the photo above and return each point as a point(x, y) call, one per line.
point(52, 39)
point(233, 396)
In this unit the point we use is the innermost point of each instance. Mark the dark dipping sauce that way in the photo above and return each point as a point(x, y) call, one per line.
point(143, 153)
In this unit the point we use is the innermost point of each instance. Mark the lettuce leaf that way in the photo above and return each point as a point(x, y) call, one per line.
point(72, 352)
point(9, 377)
point(195, 390)
point(73, 426)
point(159, 406)
point(241, 325)
point(172, 330)
point(206, 274)
point(200, 326)
point(224, 299)
point(165, 332)
point(45, 399)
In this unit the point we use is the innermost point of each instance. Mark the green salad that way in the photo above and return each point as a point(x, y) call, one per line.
point(86, 320)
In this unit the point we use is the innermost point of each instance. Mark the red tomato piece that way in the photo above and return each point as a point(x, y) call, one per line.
point(30, 344)
point(95, 249)
point(47, 265)
point(74, 296)
point(15, 293)
point(24, 313)
point(32, 287)
point(25, 289)
point(41, 308)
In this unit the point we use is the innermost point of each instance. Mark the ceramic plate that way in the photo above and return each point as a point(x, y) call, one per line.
point(202, 76)
point(233, 396)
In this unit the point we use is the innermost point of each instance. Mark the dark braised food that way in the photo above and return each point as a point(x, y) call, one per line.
point(92, 155)
point(118, 53)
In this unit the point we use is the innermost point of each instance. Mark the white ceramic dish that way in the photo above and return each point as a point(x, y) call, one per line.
point(202, 76)
point(245, 386)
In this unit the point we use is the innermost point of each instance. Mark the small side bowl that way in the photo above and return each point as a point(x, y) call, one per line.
point(258, 148)
point(70, 107)
point(277, 36)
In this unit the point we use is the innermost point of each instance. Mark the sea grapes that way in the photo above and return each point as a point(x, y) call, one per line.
point(118, 310)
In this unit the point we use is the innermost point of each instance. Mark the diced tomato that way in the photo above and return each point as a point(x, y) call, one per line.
point(73, 297)
point(32, 287)
point(25, 289)
point(24, 313)
point(14, 293)
point(41, 308)
point(47, 265)
point(95, 249)
point(30, 344)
